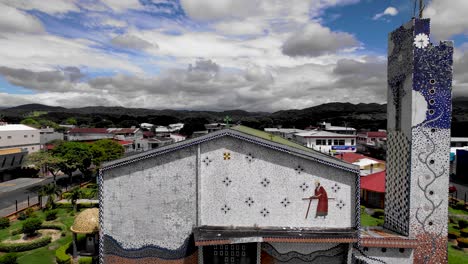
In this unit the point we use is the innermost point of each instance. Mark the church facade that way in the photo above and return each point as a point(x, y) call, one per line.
point(240, 196)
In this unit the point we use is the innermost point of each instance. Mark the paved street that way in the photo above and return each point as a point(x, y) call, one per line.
point(19, 189)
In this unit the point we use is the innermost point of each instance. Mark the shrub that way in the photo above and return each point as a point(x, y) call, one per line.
point(4, 222)
point(460, 205)
point(53, 226)
point(378, 213)
point(462, 223)
point(22, 216)
point(51, 215)
point(462, 242)
point(61, 255)
point(85, 260)
point(31, 225)
point(29, 213)
point(464, 232)
point(9, 258)
point(453, 235)
point(19, 247)
point(16, 232)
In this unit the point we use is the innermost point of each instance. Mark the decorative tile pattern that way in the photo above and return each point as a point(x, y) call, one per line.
point(299, 169)
point(226, 155)
point(337, 252)
point(249, 201)
point(225, 209)
point(335, 187)
point(340, 204)
point(304, 186)
point(285, 202)
point(265, 182)
point(227, 181)
point(250, 157)
point(264, 212)
point(207, 161)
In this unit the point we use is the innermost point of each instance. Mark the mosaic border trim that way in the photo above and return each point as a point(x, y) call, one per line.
point(284, 257)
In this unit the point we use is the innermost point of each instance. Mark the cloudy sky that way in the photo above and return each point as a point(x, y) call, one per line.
point(257, 55)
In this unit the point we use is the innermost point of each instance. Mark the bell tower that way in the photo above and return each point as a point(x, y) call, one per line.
point(419, 117)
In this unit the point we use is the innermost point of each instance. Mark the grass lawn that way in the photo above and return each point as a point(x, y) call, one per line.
point(457, 211)
point(456, 256)
point(46, 254)
point(368, 220)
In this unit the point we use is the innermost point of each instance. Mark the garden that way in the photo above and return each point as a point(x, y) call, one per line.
point(43, 236)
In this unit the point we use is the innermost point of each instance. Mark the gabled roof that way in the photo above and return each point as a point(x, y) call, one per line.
point(84, 130)
point(323, 134)
point(374, 182)
point(352, 157)
point(247, 134)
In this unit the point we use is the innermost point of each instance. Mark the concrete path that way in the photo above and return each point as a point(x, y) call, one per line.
point(18, 183)
point(79, 201)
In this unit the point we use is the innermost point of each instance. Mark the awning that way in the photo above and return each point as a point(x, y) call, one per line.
point(215, 235)
point(374, 182)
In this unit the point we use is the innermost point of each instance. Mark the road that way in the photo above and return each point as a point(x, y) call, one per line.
point(7, 199)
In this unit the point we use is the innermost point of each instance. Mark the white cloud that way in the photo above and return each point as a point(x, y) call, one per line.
point(219, 9)
point(315, 40)
point(132, 42)
point(114, 23)
point(122, 5)
point(389, 11)
point(51, 7)
point(14, 20)
point(46, 52)
point(448, 18)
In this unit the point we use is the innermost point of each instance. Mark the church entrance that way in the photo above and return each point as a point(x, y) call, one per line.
point(231, 254)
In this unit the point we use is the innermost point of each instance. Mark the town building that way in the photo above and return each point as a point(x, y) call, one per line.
point(367, 165)
point(327, 142)
point(337, 129)
point(458, 142)
point(287, 133)
point(47, 135)
point(88, 134)
point(212, 127)
point(371, 138)
point(373, 190)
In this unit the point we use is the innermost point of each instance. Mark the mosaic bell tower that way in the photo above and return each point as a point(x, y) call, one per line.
point(419, 117)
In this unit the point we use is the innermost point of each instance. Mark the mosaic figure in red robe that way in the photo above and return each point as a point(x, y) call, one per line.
point(322, 205)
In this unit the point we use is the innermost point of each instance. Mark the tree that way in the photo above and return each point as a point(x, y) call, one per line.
point(106, 150)
point(30, 122)
point(51, 191)
point(73, 155)
point(45, 161)
point(73, 197)
point(71, 121)
point(31, 225)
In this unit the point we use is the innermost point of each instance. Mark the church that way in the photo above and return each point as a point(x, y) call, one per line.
point(239, 195)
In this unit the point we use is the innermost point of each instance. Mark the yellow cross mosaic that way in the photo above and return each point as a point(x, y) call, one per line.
point(227, 156)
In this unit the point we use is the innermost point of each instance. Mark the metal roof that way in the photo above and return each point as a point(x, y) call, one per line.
point(290, 148)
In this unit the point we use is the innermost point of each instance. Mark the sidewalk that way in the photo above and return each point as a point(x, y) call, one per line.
point(18, 183)
point(79, 201)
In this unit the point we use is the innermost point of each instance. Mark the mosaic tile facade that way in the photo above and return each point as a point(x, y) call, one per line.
point(269, 191)
point(419, 112)
point(304, 253)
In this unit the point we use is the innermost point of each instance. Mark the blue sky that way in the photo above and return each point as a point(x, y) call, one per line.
point(200, 54)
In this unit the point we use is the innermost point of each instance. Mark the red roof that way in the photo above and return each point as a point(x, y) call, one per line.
point(374, 182)
point(79, 130)
point(124, 142)
point(375, 134)
point(352, 157)
point(148, 134)
point(125, 130)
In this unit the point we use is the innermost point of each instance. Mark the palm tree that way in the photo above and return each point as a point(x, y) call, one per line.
point(73, 196)
point(51, 191)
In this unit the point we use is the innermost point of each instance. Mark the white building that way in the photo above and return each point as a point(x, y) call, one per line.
point(337, 129)
point(459, 142)
point(88, 134)
point(48, 134)
point(327, 142)
point(19, 136)
point(287, 133)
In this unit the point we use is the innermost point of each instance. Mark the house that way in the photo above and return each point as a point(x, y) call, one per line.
point(88, 134)
point(287, 133)
point(337, 129)
point(126, 133)
point(214, 127)
point(371, 137)
point(327, 142)
point(48, 134)
point(373, 189)
point(232, 193)
point(367, 165)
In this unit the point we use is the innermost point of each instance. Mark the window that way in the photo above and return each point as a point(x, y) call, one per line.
point(9, 137)
point(341, 142)
point(329, 142)
point(25, 136)
point(12, 161)
point(320, 142)
point(32, 148)
point(335, 142)
point(352, 142)
point(32, 135)
point(3, 163)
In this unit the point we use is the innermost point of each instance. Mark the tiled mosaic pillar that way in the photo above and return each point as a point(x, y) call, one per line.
point(419, 117)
